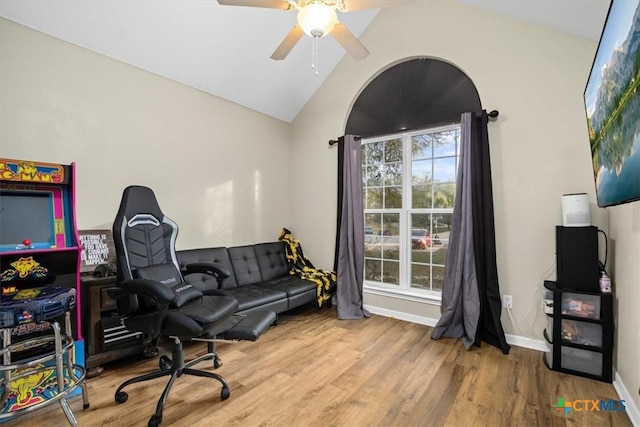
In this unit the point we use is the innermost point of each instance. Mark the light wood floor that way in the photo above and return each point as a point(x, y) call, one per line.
point(315, 370)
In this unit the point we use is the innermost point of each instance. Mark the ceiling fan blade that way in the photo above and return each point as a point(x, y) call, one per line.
point(349, 42)
point(288, 43)
point(271, 4)
point(355, 5)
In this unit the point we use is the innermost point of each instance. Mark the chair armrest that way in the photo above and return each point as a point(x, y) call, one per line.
point(212, 269)
point(160, 294)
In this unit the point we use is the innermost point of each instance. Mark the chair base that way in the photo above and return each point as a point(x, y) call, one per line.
point(174, 367)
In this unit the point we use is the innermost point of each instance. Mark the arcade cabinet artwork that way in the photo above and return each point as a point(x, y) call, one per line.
point(39, 275)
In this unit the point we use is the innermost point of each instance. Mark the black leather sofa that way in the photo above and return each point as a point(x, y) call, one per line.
point(257, 275)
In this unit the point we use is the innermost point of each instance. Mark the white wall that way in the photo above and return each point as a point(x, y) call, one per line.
point(222, 181)
point(539, 146)
point(625, 242)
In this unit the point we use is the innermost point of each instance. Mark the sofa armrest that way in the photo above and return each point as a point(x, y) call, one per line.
point(212, 269)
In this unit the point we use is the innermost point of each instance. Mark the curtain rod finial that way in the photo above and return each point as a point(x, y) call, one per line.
point(493, 114)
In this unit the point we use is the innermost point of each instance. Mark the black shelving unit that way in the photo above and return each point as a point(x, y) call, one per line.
point(581, 338)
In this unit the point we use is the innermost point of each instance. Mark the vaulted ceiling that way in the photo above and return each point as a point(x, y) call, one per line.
point(224, 50)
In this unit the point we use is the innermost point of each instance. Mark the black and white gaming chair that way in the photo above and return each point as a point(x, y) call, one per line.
point(153, 297)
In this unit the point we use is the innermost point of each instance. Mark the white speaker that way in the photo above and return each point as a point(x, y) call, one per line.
point(575, 210)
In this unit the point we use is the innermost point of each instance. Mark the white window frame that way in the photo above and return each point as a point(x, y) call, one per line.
point(404, 290)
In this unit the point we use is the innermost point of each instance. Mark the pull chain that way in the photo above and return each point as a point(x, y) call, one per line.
point(314, 50)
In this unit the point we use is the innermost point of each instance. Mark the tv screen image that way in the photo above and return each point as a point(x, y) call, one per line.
point(612, 103)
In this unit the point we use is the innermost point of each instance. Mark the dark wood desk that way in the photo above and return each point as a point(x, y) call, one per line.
point(97, 306)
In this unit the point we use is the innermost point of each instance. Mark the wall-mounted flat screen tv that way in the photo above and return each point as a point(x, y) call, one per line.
point(612, 103)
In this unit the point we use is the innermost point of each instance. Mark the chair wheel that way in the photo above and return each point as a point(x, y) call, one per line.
point(217, 363)
point(121, 396)
point(154, 421)
point(225, 393)
point(165, 363)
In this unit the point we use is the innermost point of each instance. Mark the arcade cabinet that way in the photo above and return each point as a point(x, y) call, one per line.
point(40, 361)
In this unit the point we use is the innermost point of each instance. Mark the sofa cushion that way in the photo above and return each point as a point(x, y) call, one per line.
point(292, 285)
point(272, 260)
point(251, 296)
point(245, 265)
point(218, 255)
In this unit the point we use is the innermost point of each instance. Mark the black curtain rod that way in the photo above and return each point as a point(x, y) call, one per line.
point(492, 115)
point(335, 141)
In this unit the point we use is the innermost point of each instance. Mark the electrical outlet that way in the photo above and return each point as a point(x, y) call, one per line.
point(507, 301)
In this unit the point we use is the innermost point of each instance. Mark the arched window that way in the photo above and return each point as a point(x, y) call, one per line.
point(409, 118)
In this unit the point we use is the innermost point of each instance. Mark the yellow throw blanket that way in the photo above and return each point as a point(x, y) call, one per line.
point(299, 265)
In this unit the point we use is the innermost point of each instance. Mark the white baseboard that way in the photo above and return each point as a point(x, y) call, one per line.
point(632, 409)
point(530, 343)
point(429, 321)
point(421, 320)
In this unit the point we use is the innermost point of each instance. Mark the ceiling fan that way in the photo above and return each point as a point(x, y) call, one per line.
point(317, 18)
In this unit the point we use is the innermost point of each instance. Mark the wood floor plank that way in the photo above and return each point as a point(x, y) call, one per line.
point(315, 370)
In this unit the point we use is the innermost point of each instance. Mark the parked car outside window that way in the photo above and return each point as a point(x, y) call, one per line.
point(420, 238)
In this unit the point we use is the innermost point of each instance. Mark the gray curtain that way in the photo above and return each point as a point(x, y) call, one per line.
point(349, 258)
point(460, 307)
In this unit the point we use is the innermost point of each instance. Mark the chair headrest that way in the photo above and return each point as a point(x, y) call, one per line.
point(137, 199)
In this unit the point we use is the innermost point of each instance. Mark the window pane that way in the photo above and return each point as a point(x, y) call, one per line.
point(371, 227)
point(391, 224)
point(444, 170)
point(372, 223)
point(444, 195)
point(391, 272)
point(421, 172)
point(437, 278)
point(439, 249)
point(420, 276)
point(372, 176)
point(373, 153)
point(372, 248)
point(393, 150)
point(364, 150)
point(373, 270)
point(446, 144)
point(442, 226)
point(421, 146)
point(393, 174)
point(421, 247)
point(373, 198)
point(393, 197)
point(390, 247)
point(389, 236)
point(421, 221)
point(421, 196)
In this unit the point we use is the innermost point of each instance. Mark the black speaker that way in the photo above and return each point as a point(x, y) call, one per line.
point(577, 258)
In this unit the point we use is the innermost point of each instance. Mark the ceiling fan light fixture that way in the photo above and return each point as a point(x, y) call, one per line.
point(317, 19)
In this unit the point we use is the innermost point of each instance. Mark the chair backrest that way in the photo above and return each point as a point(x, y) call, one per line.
point(142, 237)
